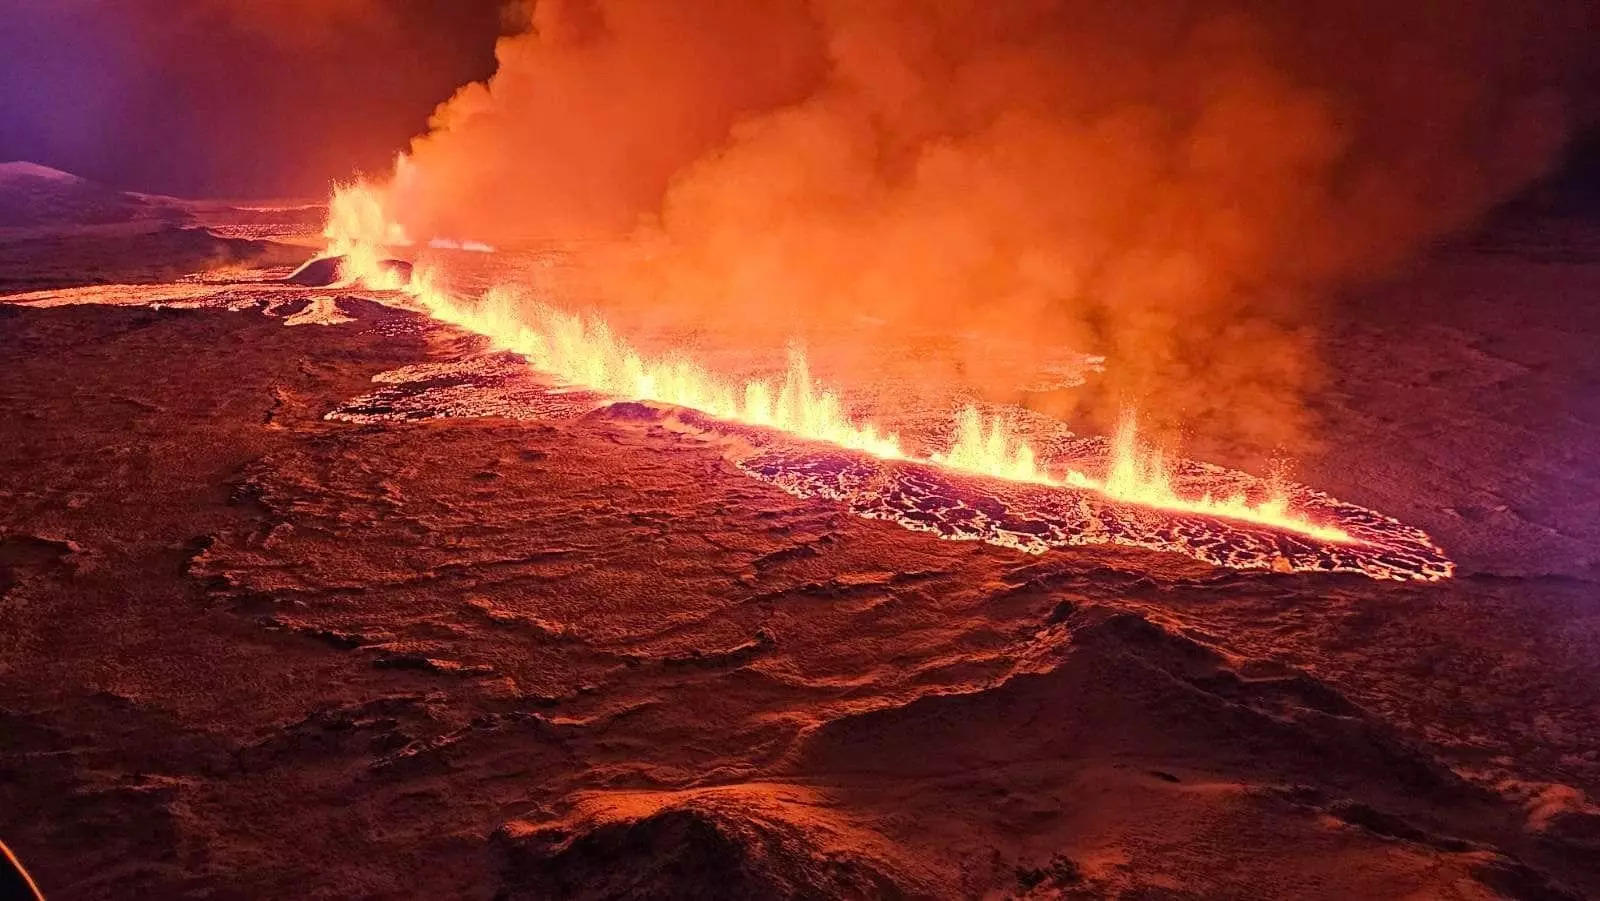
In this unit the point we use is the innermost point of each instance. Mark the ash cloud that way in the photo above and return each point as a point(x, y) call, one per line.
point(1176, 186)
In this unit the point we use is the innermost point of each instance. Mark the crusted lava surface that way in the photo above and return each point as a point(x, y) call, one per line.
point(354, 609)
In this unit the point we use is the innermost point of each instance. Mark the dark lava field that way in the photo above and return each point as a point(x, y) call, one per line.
point(549, 647)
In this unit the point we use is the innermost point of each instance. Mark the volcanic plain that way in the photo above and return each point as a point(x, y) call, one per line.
point(518, 642)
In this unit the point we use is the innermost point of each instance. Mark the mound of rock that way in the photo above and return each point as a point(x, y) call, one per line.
point(324, 271)
point(32, 196)
point(1118, 684)
point(703, 847)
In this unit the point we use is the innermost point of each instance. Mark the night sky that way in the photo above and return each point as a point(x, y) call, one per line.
point(249, 98)
point(230, 98)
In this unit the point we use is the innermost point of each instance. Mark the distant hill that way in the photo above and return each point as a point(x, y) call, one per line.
point(32, 195)
point(61, 230)
point(21, 170)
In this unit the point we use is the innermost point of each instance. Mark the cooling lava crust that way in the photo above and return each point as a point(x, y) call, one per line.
point(251, 650)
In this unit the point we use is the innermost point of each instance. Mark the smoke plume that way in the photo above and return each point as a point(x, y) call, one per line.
point(1176, 186)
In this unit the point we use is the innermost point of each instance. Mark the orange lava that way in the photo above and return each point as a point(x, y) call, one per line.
point(583, 351)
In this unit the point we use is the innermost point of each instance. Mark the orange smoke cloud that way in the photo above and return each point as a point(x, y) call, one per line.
point(596, 108)
point(1171, 188)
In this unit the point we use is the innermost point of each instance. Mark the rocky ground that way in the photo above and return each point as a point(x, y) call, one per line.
point(249, 651)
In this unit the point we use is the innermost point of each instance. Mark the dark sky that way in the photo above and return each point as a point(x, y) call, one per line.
point(233, 98)
point(230, 98)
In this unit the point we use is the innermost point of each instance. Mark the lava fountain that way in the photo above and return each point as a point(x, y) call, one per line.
point(1138, 480)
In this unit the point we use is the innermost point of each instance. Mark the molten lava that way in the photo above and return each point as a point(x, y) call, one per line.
point(358, 222)
point(583, 351)
point(1136, 474)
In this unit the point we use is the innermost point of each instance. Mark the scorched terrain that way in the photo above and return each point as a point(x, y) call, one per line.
point(478, 637)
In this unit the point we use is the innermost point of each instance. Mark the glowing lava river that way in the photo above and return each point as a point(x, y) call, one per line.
point(990, 484)
point(988, 476)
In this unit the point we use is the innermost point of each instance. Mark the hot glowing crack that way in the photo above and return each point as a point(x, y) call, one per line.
point(583, 351)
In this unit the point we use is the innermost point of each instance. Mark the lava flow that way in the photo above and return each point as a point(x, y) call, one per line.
point(583, 351)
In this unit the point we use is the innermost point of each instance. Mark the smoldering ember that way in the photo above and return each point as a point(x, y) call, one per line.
point(728, 449)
